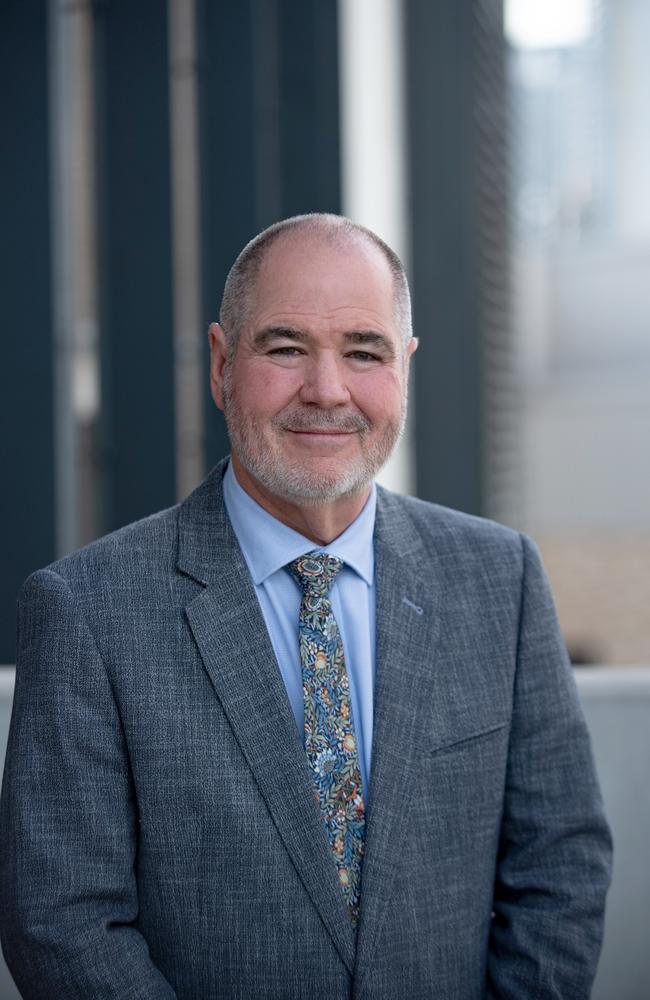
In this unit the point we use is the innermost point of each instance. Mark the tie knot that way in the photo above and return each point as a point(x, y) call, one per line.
point(315, 572)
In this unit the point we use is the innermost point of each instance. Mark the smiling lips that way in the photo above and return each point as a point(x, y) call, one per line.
point(322, 432)
point(323, 439)
point(328, 424)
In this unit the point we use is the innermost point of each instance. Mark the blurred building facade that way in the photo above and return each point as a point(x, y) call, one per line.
point(581, 312)
point(148, 142)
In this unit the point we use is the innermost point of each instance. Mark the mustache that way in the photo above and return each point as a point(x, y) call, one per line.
point(322, 420)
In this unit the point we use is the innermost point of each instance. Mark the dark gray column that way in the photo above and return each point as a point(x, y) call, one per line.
point(455, 99)
point(269, 132)
point(308, 106)
point(26, 374)
point(135, 273)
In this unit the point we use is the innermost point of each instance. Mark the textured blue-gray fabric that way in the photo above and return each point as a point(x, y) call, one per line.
point(268, 546)
point(159, 834)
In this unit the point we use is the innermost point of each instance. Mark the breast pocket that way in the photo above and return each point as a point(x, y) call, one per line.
point(467, 741)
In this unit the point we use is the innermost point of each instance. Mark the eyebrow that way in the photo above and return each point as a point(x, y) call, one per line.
point(271, 333)
point(369, 338)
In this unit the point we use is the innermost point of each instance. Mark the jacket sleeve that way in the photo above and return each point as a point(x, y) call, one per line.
point(553, 868)
point(68, 818)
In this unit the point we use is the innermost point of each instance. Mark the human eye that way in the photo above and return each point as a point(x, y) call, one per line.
point(365, 357)
point(285, 351)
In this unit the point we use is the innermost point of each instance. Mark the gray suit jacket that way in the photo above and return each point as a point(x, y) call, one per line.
point(159, 832)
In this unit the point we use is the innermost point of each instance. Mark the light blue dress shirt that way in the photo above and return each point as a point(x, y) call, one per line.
point(268, 545)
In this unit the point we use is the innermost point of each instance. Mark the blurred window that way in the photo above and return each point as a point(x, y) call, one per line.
point(579, 81)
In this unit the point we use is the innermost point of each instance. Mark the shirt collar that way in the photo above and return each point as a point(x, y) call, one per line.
point(282, 544)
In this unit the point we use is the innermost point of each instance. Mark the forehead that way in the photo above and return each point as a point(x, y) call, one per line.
point(334, 282)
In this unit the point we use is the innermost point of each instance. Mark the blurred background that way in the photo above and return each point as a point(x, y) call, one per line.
point(502, 147)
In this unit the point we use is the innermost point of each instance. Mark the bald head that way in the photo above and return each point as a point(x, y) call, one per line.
point(333, 231)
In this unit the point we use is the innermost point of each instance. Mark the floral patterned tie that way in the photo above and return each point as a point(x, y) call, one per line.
point(330, 742)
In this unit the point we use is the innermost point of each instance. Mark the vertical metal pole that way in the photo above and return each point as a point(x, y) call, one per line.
point(74, 274)
point(62, 138)
point(190, 375)
point(457, 157)
point(66, 204)
point(501, 465)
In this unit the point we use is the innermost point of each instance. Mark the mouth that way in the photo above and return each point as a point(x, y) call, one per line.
point(327, 429)
point(322, 437)
point(306, 424)
point(320, 432)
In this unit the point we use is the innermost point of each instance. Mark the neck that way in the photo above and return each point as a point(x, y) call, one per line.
point(320, 522)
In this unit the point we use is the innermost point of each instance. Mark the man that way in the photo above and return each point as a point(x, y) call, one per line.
point(298, 736)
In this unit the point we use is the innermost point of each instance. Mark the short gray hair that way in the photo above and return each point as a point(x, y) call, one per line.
point(336, 229)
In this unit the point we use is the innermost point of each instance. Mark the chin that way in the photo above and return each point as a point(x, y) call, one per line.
point(297, 483)
point(311, 489)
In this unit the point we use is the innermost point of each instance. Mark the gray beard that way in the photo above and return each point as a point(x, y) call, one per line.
point(290, 480)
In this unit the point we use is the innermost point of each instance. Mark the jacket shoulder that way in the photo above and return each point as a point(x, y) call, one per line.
point(433, 520)
point(135, 550)
point(463, 548)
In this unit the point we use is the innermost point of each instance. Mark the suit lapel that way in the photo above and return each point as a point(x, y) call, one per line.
point(231, 636)
point(408, 601)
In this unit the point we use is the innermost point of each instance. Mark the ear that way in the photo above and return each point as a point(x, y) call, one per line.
point(218, 355)
point(411, 348)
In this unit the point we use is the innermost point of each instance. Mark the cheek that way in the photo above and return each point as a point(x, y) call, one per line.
point(379, 396)
point(262, 390)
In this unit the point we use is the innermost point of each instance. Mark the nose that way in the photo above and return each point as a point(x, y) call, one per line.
point(324, 382)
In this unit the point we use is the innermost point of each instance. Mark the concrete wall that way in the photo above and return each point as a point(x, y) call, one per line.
point(617, 706)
